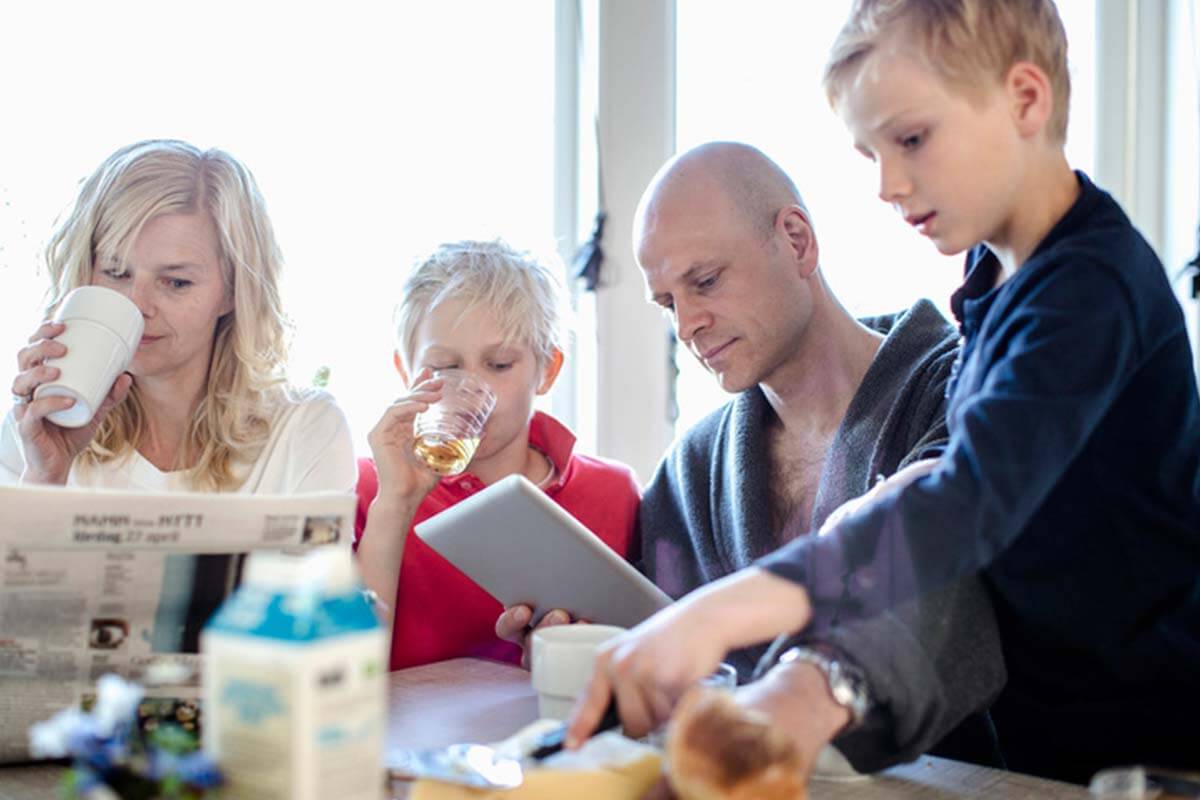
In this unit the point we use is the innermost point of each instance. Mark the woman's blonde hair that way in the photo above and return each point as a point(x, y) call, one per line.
point(522, 291)
point(970, 43)
point(245, 374)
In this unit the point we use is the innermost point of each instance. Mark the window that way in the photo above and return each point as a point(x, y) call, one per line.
point(1182, 223)
point(751, 72)
point(375, 132)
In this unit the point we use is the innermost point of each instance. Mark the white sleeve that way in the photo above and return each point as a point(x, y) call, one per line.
point(322, 451)
point(12, 458)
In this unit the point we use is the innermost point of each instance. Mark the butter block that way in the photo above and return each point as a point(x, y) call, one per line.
point(607, 767)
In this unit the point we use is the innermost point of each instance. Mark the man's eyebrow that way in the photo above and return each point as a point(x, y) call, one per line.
point(691, 275)
point(702, 266)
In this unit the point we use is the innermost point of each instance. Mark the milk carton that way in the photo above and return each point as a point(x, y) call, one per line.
point(295, 688)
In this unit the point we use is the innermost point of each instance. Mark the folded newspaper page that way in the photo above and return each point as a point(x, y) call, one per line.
point(104, 581)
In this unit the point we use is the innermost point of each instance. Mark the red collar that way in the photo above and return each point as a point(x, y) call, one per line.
point(555, 441)
point(548, 436)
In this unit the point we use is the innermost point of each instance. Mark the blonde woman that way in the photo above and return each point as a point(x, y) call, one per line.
point(184, 234)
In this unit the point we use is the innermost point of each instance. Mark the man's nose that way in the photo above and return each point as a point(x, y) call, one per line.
point(893, 181)
point(690, 319)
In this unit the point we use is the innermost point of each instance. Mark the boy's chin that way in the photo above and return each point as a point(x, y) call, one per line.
point(950, 247)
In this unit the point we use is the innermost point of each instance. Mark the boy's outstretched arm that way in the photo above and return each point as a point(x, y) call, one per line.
point(649, 668)
point(1060, 360)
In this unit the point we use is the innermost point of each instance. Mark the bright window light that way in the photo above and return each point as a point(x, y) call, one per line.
point(375, 131)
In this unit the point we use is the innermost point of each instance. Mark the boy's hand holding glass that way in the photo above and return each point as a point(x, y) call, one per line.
point(401, 476)
point(448, 432)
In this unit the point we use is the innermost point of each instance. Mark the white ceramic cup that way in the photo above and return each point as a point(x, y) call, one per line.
point(562, 663)
point(103, 330)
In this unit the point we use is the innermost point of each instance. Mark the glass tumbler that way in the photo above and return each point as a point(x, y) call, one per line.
point(448, 432)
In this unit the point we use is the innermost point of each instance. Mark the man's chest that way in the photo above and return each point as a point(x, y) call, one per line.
point(794, 468)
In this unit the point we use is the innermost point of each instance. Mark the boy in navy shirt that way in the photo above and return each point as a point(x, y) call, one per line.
point(1072, 476)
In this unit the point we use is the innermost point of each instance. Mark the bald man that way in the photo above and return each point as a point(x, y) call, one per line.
point(825, 406)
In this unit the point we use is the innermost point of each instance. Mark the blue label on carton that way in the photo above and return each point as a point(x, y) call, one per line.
point(296, 617)
point(254, 702)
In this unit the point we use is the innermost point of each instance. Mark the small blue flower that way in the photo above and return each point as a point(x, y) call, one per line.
point(199, 770)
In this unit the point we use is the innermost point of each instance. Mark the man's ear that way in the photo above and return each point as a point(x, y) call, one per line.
point(400, 366)
point(1030, 97)
point(794, 225)
point(550, 371)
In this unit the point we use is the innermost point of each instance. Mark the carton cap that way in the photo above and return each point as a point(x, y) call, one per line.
point(328, 569)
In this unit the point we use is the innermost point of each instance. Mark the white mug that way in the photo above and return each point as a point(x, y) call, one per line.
point(103, 330)
point(562, 663)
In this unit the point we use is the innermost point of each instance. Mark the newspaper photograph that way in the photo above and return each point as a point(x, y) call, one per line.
point(104, 581)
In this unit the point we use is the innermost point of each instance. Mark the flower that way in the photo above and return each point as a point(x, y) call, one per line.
point(52, 738)
point(116, 705)
point(112, 754)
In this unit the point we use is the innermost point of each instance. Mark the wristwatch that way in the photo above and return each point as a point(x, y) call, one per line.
point(847, 684)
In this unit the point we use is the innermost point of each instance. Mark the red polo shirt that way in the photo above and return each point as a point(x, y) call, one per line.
point(440, 613)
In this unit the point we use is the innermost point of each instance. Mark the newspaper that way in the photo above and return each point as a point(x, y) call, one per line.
point(102, 581)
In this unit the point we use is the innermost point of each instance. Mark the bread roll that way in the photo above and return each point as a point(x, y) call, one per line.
point(719, 750)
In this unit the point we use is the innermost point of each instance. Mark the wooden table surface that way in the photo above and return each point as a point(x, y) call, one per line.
point(472, 700)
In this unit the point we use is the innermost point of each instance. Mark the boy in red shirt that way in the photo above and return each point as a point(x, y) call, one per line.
point(497, 313)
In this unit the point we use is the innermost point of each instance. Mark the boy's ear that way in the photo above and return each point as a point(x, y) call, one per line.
point(400, 366)
point(1031, 98)
point(550, 372)
point(795, 226)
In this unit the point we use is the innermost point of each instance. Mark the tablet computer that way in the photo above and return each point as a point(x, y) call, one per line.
point(522, 547)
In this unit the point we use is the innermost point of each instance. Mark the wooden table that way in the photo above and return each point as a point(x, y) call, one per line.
point(474, 700)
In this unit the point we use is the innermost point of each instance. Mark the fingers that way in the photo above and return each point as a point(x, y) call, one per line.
point(42, 346)
point(638, 709)
point(554, 617)
point(591, 705)
point(425, 376)
point(116, 396)
point(29, 416)
point(511, 625)
point(47, 330)
point(397, 420)
point(28, 380)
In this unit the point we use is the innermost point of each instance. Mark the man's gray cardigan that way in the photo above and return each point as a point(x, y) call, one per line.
point(706, 513)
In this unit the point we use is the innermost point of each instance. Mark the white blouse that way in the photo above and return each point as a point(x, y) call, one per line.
point(309, 450)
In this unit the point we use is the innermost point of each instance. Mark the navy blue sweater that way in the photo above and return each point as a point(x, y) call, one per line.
point(1072, 480)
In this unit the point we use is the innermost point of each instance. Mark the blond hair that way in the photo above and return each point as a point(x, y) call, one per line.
point(522, 291)
point(968, 42)
point(245, 375)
